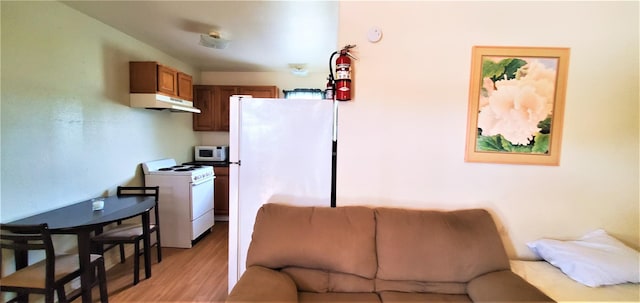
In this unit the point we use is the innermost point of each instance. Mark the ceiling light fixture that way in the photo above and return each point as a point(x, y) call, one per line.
point(213, 40)
point(298, 69)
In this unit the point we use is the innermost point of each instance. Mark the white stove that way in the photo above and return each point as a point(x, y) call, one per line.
point(169, 167)
point(185, 202)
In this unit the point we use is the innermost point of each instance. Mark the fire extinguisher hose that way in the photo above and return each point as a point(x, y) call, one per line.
point(331, 65)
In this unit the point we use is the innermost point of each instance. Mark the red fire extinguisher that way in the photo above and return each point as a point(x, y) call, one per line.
point(343, 73)
point(328, 93)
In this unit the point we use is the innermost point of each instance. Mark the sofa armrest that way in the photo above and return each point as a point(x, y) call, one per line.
point(504, 286)
point(261, 284)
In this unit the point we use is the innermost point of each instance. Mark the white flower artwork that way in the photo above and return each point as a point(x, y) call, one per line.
point(513, 108)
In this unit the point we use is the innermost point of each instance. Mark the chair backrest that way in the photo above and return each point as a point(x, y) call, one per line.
point(24, 238)
point(150, 191)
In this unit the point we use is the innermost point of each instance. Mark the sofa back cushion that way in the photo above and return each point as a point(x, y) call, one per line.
point(437, 246)
point(338, 239)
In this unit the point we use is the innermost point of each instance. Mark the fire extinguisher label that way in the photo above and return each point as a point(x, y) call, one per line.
point(328, 94)
point(340, 75)
point(343, 90)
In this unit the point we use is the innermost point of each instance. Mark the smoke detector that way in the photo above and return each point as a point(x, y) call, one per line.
point(213, 40)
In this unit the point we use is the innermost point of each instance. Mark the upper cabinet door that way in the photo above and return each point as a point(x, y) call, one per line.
point(185, 86)
point(221, 114)
point(167, 80)
point(204, 100)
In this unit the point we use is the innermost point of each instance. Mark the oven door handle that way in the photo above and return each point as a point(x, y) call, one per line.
point(204, 180)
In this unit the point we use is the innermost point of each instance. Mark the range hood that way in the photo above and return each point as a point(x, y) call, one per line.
point(158, 101)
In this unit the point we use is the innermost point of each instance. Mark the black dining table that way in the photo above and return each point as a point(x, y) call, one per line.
point(80, 219)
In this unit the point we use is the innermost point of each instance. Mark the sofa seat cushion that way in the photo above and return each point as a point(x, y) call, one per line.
point(334, 239)
point(504, 286)
point(315, 280)
point(404, 297)
point(338, 297)
point(260, 284)
point(452, 288)
point(427, 245)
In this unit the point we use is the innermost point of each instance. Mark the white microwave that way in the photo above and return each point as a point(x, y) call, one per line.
point(211, 153)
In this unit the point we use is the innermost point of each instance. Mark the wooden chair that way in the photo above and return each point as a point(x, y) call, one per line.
point(132, 233)
point(49, 275)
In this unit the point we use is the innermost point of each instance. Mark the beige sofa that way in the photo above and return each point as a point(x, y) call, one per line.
point(361, 254)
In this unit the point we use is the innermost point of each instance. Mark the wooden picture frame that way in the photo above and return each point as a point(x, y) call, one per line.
point(516, 104)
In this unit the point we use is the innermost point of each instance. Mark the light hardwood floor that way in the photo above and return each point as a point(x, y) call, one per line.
point(198, 274)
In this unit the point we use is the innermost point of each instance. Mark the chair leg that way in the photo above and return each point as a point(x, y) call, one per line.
point(147, 266)
point(21, 297)
point(48, 297)
point(62, 296)
point(121, 253)
point(102, 280)
point(136, 263)
point(158, 246)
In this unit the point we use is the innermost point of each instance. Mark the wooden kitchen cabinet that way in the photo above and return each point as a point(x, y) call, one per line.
point(213, 101)
point(221, 191)
point(150, 77)
point(215, 112)
point(259, 91)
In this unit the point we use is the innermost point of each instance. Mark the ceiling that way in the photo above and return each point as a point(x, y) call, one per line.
point(265, 35)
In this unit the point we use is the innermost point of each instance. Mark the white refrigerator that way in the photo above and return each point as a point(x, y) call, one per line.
point(280, 150)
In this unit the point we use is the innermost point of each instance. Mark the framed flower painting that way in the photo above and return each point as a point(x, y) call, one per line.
point(516, 104)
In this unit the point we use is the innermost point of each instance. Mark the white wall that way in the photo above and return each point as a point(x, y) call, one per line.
point(402, 138)
point(284, 81)
point(68, 133)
